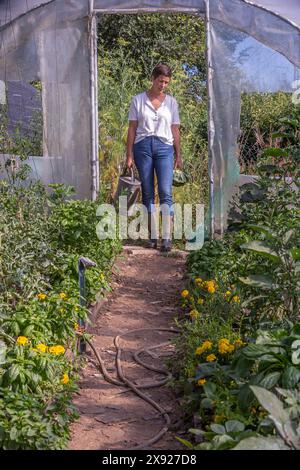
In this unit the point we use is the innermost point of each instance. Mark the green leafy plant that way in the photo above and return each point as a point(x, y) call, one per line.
point(285, 420)
point(42, 237)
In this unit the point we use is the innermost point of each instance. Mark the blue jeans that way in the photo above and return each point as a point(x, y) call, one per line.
point(152, 154)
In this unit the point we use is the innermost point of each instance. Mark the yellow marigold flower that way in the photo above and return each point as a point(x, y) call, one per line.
point(204, 347)
point(211, 283)
point(200, 301)
point(223, 344)
point(41, 347)
point(22, 340)
point(184, 293)
point(224, 341)
point(211, 289)
point(41, 296)
point(211, 358)
point(65, 379)
point(199, 350)
point(228, 293)
point(238, 343)
point(201, 382)
point(57, 350)
point(198, 281)
point(207, 345)
point(223, 348)
point(194, 314)
point(62, 295)
point(235, 298)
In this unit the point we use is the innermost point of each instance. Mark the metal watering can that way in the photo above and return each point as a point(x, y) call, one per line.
point(130, 186)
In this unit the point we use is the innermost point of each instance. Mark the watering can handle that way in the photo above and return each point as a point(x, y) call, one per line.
point(132, 174)
point(124, 171)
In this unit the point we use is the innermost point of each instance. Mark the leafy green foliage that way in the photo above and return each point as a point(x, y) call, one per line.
point(129, 47)
point(154, 38)
point(258, 262)
point(35, 421)
point(260, 115)
point(285, 418)
point(42, 237)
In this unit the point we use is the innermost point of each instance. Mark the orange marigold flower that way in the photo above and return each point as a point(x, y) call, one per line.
point(201, 382)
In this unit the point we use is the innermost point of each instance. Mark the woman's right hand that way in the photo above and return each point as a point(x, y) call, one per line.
point(129, 162)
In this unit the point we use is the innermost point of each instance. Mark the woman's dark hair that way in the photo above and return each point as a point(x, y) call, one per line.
point(161, 69)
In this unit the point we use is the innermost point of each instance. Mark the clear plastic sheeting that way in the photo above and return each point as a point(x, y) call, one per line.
point(263, 25)
point(253, 46)
point(11, 10)
point(288, 9)
point(50, 44)
point(123, 6)
point(239, 64)
point(46, 169)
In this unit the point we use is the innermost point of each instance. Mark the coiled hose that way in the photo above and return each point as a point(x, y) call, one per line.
point(124, 382)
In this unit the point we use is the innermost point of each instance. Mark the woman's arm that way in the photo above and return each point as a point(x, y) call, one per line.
point(176, 135)
point(130, 141)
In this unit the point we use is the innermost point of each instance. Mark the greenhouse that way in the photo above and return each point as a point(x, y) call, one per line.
point(114, 336)
point(251, 46)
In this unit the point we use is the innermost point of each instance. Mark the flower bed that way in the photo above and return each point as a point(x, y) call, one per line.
point(42, 238)
point(240, 343)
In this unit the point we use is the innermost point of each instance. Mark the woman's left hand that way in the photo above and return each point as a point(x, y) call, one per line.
point(178, 163)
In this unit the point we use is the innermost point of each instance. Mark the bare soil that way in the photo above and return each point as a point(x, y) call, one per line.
point(145, 294)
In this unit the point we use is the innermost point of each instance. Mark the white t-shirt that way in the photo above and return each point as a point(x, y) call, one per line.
point(151, 121)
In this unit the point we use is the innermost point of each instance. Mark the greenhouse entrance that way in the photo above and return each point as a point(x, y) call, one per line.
point(256, 49)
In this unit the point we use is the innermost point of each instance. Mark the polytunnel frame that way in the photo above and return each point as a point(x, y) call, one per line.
point(94, 12)
point(197, 7)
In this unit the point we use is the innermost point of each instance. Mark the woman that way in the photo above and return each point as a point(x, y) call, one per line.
point(153, 135)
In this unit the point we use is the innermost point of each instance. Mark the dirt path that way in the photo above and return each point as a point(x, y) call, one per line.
point(145, 295)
